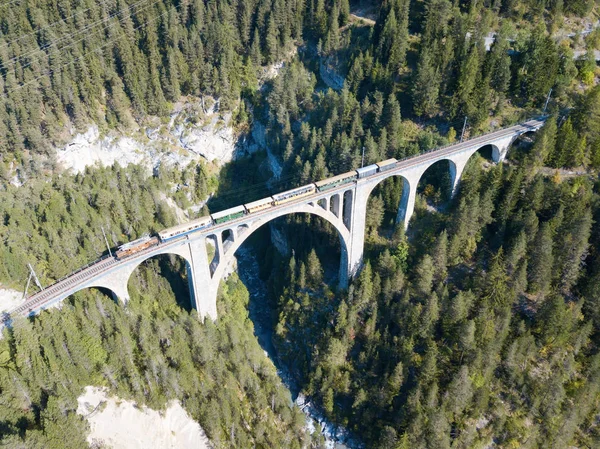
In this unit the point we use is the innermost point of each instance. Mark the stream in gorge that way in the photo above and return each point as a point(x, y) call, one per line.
point(336, 437)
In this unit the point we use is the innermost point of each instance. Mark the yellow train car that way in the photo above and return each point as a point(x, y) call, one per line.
point(388, 164)
point(259, 205)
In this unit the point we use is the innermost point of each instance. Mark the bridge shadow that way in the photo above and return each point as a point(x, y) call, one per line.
point(161, 278)
point(263, 262)
point(241, 181)
point(435, 186)
point(521, 146)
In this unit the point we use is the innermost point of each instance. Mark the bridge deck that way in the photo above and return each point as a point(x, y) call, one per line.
point(72, 282)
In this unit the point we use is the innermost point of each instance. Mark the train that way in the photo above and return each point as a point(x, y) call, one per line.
point(131, 248)
point(234, 213)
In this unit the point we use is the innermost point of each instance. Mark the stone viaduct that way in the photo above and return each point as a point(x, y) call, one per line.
point(345, 207)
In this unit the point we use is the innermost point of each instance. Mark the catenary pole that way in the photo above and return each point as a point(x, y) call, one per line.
point(547, 100)
point(106, 241)
point(462, 134)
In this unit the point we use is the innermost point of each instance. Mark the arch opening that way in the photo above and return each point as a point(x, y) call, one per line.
point(346, 212)
point(212, 253)
point(387, 206)
point(490, 153)
point(278, 228)
point(108, 293)
point(264, 258)
point(522, 145)
point(93, 291)
point(226, 235)
point(435, 187)
point(227, 238)
point(163, 278)
point(334, 205)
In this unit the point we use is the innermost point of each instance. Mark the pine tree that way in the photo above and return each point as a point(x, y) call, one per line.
point(566, 144)
point(540, 267)
point(255, 52)
point(425, 86)
point(314, 270)
point(424, 276)
point(545, 143)
point(440, 258)
point(272, 43)
point(344, 12)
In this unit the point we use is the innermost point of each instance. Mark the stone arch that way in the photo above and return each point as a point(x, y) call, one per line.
point(167, 271)
point(406, 205)
point(116, 278)
point(343, 234)
point(94, 285)
point(495, 155)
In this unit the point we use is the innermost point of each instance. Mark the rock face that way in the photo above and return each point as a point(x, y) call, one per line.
point(9, 299)
point(279, 240)
point(122, 424)
point(89, 148)
point(214, 140)
point(330, 76)
point(191, 134)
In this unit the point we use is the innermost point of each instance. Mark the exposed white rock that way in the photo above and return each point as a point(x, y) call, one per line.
point(9, 299)
point(90, 148)
point(272, 71)
point(192, 133)
point(120, 424)
point(329, 75)
point(215, 140)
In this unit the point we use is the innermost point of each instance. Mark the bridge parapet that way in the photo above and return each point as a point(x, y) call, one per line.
point(345, 207)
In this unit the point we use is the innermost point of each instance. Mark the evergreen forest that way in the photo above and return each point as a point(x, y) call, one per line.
point(478, 326)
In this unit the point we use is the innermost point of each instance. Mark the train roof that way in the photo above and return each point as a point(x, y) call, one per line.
point(287, 192)
point(386, 162)
point(135, 242)
point(259, 202)
point(324, 182)
point(226, 212)
point(184, 226)
point(367, 169)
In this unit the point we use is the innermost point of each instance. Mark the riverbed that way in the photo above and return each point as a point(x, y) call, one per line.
point(336, 437)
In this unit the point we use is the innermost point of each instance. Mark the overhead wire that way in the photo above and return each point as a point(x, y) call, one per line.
point(51, 71)
point(46, 27)
point(255, 188)
point(11, 62)
point(3, 5)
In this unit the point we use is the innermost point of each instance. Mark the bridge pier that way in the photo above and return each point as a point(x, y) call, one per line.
point(407, 203)
point(346, 210)
point(358, 221)
point(120, 293)
point(202, 289)
point(500, 148)
point(457, 166)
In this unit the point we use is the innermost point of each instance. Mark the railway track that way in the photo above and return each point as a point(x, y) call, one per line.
point(89, 272)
